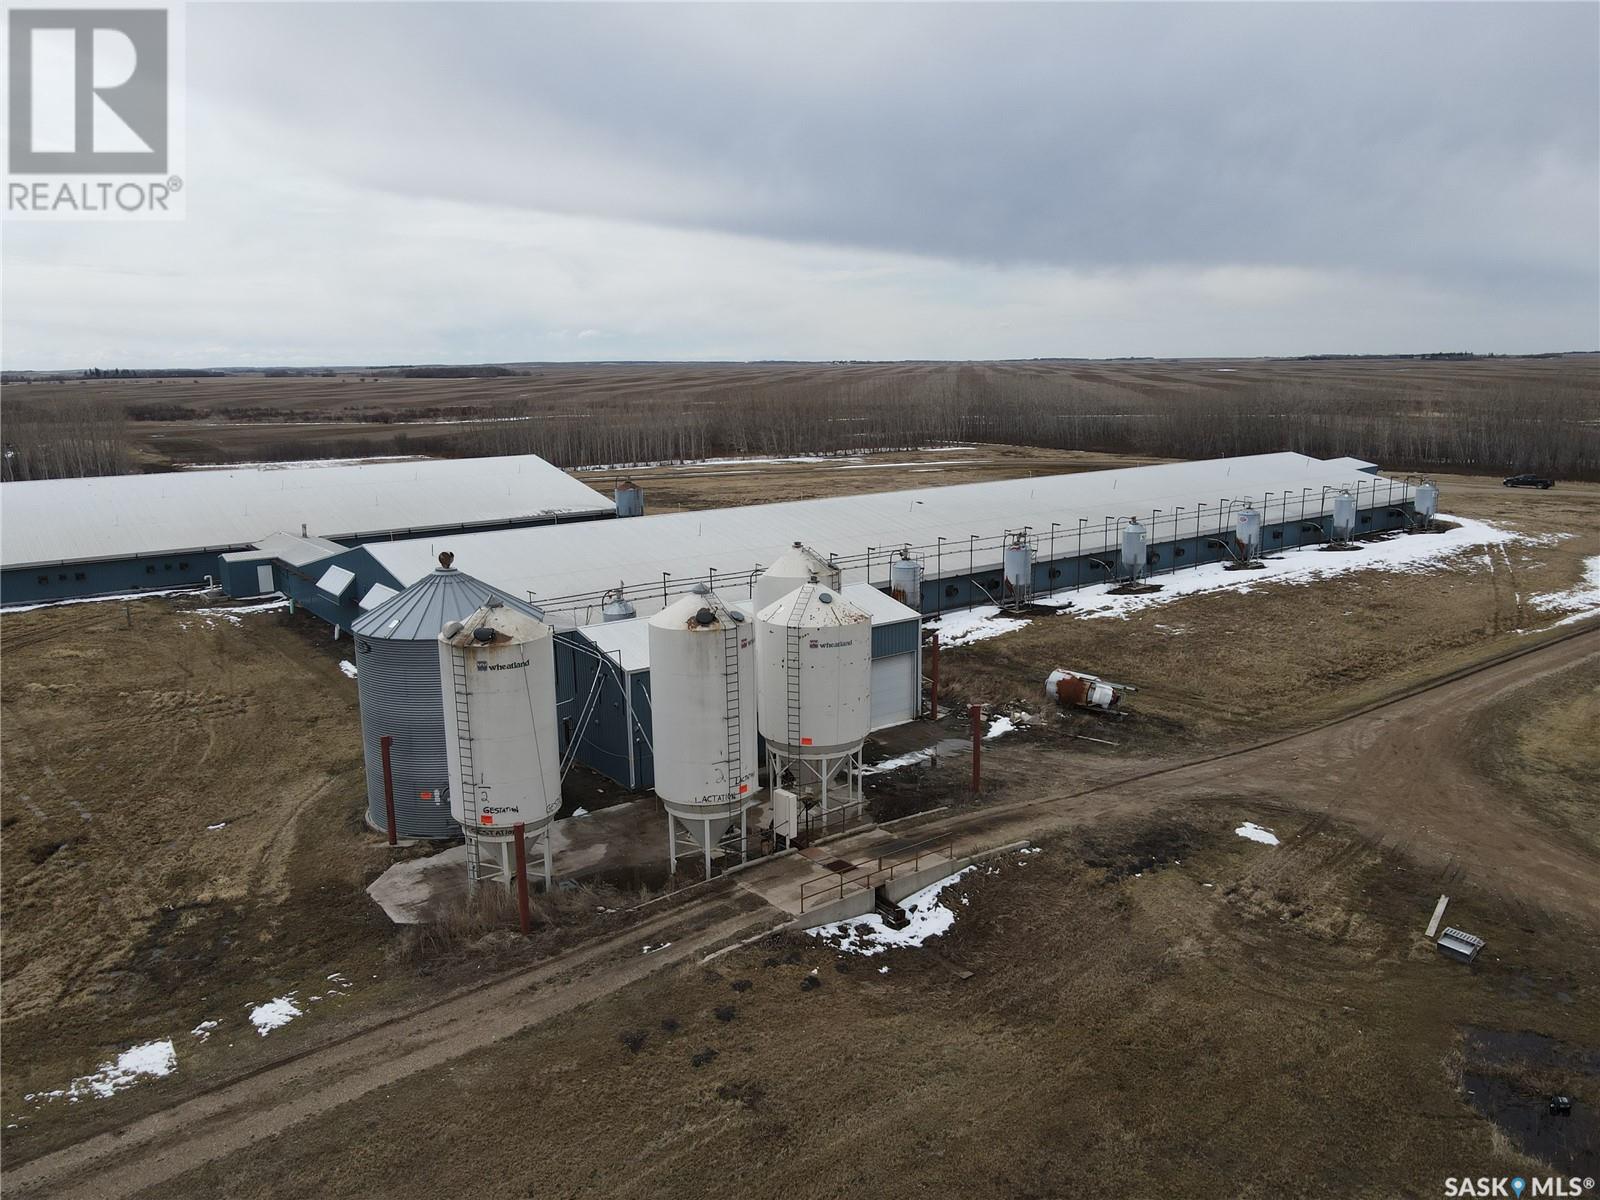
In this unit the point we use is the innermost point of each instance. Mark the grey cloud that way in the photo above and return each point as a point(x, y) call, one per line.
point(1453, 141)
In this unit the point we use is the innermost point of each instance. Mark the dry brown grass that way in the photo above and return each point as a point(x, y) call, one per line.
point(1542, 748)
point(1123, 1033)
point(488, 924)
point(1239, 666)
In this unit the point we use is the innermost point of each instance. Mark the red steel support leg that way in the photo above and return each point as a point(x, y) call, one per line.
point(933, 679)
point(975, 716)
point(388, 788)
point(522, 877)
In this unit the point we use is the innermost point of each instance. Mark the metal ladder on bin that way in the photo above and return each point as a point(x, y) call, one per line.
point(733, 723)
point(731, 716)
point(467, 782)
point(791, 678)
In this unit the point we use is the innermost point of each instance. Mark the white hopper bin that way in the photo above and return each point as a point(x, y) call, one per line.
point(1134, 543)
point(703, 701)
point(1427, 500)
point(1344, 516)
point(497, 677)
point(814, 656)
point(1017, 571)
point(794, 567)
point(905, 580)
point(1247, 533)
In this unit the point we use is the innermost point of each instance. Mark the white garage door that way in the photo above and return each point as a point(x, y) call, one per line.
point(895, 690)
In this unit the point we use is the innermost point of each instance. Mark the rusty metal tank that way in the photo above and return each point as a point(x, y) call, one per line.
point(1077, 690)
point(905, 581)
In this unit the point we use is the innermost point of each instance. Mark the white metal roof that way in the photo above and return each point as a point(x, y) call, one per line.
point(375, 595)
point(290, 548)
point(336, 581)
point(556, 563)
point(628, 642)
point(120, 516)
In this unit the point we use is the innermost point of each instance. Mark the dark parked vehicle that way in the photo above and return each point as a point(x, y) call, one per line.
point(1538, 481)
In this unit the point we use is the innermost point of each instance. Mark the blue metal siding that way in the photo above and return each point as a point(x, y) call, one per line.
point(240, 578)
point(902, 637)
point(300, 585)
point(71, 581)
point(1066, 572)
point(397, 535)
point(605, 742)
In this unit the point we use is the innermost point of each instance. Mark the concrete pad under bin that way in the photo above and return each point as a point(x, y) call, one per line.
point(621, 837)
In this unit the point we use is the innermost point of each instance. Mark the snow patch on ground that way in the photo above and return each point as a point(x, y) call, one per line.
point(120, 597)
point(736, 461)
point(1257, 834)
point(1001, 726)
point(901, 760)
point(148, 1060)
point(973, 625)
point(1578, 602)
point(348, 667)
point(300, 464)
point(868, 935)
point(237, 613)
point(203, 1030)
point(274, 1014)
point(1407, 553)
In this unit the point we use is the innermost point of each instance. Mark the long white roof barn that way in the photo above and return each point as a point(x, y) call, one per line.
point(565, 570)
point(125, 516)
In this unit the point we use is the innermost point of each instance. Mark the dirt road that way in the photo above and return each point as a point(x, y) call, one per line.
point(1397, 770)
point(1400, 770)
point(209, 1126)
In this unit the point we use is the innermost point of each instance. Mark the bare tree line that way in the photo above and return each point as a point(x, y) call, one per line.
point(1553, 429)
point(64, 437)
point(1549, 423)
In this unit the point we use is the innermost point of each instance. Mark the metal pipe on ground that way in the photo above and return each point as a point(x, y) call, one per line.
point(975, 717)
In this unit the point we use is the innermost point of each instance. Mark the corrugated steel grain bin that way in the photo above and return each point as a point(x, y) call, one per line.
point(397, 676)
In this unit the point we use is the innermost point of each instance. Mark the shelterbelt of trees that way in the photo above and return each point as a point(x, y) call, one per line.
point(1421, 413)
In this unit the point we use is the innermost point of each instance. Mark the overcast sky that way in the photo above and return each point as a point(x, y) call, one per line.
point(382, 183)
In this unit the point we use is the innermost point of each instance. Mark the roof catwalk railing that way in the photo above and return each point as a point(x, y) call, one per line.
point(945, 558)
